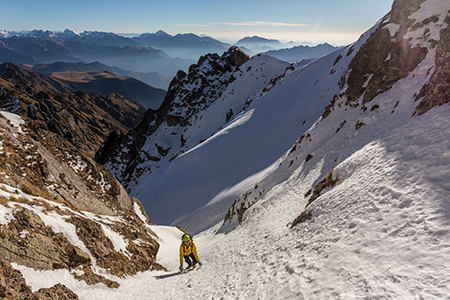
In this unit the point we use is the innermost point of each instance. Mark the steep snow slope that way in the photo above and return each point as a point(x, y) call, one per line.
point(381, 233)
point(195, 189)
point(191, 113)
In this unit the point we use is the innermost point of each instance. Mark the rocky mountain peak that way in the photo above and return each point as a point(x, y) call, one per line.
point(236, 56)
point(192, 92)
point(188, 95)
point(69, 33)
point(162, 33)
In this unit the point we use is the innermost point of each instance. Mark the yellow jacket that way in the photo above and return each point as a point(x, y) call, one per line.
point(186, 250)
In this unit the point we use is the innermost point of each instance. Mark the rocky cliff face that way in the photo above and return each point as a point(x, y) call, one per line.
point(58, 208)
point(45, 187)
point(188, 96)
point(389, 54)
point(437, 90)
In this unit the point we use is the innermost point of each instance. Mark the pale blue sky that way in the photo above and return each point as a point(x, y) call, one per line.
point(334, 21)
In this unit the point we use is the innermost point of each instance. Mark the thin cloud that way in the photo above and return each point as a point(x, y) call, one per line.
point(247, 23)
point(266, 24)
point(192, 25)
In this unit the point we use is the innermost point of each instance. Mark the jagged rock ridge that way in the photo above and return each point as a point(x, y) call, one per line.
point(187, 97)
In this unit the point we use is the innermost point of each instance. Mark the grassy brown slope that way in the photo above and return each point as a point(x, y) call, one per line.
point(105, 83)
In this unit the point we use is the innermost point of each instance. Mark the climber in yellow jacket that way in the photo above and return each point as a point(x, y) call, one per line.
point(188, 251)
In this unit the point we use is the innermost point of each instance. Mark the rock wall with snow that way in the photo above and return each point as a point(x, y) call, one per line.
point(13, 286)
point(437, 90)
point(58, 208)
point(406, 50)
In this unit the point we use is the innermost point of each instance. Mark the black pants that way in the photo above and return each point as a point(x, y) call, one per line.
point(190, 259)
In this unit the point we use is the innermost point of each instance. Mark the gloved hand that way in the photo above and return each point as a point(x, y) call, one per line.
point(199, 262)
point(181, 268)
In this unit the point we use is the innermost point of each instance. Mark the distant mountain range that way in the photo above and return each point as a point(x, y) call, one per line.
point(39, 47)
point(302, 52)
point(259, 44)
point(153, 58)
point(182, 45)
point(105, 83)
point(102, 38)
point(101, 83)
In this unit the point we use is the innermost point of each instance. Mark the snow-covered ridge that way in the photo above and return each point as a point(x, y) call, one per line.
point(257, 81)
point(319, 135)
point(5, 34)
point(65, 35)
point(68, 34)
point(189, 115)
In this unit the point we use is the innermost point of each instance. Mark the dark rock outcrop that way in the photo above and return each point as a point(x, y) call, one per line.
point(14, 287)
point(437, 90)
point(383, 60)
point(402, 9)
